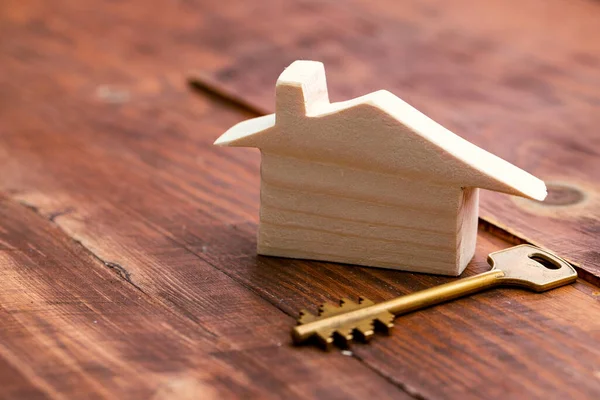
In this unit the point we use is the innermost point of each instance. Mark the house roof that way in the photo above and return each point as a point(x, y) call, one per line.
point(376, 129)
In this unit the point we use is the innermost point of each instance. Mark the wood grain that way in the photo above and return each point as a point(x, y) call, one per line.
point(484, 71)
point(116, 208)
point(77, 326)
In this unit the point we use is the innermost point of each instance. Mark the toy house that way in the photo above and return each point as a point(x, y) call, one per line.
point(369, 181)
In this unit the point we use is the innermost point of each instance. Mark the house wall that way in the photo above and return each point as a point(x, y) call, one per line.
point(336, 213)
point(468, 215)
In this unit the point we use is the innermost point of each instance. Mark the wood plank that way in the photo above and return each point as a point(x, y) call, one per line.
point(482, 70)
point(64, 330)
point(73, 327)
point(128, 170)
point(295, 284)
point(132, 313)
point(556, 317)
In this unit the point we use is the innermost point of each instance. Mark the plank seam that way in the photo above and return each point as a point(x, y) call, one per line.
point(119, 270)
point(410, 390)
point(202, 84)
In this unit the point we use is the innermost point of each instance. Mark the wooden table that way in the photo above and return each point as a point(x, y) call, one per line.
point(127, 241)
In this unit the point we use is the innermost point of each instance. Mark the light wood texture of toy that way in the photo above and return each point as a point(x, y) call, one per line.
point(369, 181)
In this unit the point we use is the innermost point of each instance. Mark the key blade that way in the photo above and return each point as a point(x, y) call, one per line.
point(341, 335)
point(533, 268)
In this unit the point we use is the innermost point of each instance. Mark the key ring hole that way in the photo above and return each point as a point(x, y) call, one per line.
point(546, 261)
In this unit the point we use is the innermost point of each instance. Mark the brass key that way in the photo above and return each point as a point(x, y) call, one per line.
point(525, 266)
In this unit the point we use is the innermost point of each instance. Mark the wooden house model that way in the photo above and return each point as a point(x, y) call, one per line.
point(369, 181)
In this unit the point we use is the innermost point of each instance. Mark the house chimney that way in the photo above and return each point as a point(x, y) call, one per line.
point(300, 88)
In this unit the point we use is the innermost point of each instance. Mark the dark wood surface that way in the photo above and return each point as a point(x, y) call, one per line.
point(518, 78)
point(127, 241)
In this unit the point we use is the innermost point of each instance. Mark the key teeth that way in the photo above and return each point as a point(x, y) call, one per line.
point(363, 301)
point(346, 302)
point(342, 336)
point(385, 321)
point(345, 305)
point(325, 338)
point(305, 317)
point(365, 331)
point(327, 309)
